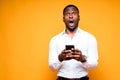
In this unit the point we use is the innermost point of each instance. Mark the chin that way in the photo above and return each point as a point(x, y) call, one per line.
point(72, 29)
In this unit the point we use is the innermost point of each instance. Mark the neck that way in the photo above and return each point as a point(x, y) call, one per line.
point(71, 33)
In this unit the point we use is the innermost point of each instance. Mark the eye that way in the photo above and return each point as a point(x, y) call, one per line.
point(66, 14)
point(74, 13)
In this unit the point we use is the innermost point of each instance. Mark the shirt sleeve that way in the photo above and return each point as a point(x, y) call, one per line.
point(54, 63)
point(92, 58)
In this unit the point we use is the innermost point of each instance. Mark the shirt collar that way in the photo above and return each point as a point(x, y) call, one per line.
point(78, 31)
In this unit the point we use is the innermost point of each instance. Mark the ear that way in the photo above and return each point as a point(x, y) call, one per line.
point(63, 19)
point(79, 17)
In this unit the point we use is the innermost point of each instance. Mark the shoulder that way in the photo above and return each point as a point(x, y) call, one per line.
point(88, 35)
point(56, 38)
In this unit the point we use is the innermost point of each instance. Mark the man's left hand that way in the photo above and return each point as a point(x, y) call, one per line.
point(77, 55)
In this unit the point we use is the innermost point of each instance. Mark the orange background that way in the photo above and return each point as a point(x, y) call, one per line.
point(26, 27)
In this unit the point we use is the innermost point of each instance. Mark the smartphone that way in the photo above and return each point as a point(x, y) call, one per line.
point(69, 47)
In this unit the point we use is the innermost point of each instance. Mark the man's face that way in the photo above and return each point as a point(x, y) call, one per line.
point(71, 18)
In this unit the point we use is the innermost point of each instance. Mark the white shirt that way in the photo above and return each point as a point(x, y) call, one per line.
point(83, 41)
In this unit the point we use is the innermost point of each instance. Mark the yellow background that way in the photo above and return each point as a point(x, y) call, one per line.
point(26, 27)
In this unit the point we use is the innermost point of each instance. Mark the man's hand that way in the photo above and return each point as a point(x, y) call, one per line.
point(65, 55)
point(77, 55)
point(72, 54)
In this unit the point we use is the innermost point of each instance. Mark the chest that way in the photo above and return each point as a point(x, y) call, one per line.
point(79, 42)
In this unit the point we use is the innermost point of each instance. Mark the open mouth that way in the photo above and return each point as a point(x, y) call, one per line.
point(71, 22)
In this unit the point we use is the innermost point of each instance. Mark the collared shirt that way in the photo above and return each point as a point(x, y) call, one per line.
point(83, 41)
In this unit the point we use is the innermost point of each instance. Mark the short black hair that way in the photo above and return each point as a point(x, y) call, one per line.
point(70, 5)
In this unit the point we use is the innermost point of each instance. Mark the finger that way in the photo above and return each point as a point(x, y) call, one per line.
point(77, 50)
point(68, 51)
point(64, 51)
point(76, 56)
point(69, 55)
point(77, 53)
point(73, 49)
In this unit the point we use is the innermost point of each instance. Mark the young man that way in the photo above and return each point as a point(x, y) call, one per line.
point(74, 51)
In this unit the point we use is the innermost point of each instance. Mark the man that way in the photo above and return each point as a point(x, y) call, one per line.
point(74, 51)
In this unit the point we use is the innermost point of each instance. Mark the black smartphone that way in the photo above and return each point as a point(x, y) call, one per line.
point(69, 47)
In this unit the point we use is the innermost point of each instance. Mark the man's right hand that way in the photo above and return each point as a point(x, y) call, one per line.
point(65, 55)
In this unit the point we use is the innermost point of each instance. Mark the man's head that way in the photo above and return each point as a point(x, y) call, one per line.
point(71, 17)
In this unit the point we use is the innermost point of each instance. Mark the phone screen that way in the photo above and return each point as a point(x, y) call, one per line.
point(69, 47)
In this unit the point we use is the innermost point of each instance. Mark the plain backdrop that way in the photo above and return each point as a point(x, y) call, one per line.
point(26, 27)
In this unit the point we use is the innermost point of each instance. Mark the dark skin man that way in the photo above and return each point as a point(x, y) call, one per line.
point(71, 19)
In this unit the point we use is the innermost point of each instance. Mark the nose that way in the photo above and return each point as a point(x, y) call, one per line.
point(71, 15)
